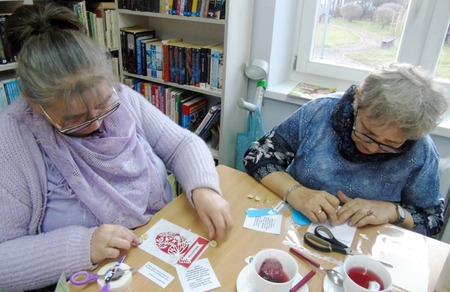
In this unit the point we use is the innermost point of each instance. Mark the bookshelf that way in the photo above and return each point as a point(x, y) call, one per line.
point(234, 33)
point(7, 68)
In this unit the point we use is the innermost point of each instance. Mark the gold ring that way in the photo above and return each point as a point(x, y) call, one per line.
point(319, 212)
point(369, 212)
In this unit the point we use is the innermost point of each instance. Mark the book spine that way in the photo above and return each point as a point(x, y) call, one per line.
point(166, 63)
point(171, 63)
point(195, 79)
point(188, 65)
point(182, 65)
point(211, 8)
point(204, 133)
point(208, 115)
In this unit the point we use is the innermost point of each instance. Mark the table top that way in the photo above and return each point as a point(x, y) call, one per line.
point(228, 258)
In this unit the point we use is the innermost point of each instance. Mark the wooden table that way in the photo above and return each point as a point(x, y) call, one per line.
point(228, 258)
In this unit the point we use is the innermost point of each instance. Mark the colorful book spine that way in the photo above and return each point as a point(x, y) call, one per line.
point(192, 112)
point(209, 115)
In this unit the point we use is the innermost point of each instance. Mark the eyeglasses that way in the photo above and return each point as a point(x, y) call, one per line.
point(76, 128)
point(366, 139)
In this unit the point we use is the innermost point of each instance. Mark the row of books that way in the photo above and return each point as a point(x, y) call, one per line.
point(5, 55)
point(100, 20)
point(186, 108)
point(9, 92)
point(171, 60)
point(196, 8)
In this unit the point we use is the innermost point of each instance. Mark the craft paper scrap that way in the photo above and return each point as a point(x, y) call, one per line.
point(269, 224)
point(198, 277)
point(261, 212)
point(299, 218)
point(156, 274)
point(173, 244)
point(344, 233)
point(62, 284)
point(405, 273)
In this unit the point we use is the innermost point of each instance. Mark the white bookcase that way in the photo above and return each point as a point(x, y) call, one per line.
point(234, 32)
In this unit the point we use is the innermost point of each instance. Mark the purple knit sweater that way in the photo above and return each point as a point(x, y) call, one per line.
point(31, 259)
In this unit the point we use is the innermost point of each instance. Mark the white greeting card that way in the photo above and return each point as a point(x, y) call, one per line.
point(173, 244)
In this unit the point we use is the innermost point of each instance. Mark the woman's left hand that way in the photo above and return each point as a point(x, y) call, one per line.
point(360, 212)
point(214, 211)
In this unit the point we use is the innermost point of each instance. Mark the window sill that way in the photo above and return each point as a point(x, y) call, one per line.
point(280, 93)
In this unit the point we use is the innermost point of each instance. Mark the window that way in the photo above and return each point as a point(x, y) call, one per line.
point(349, 38)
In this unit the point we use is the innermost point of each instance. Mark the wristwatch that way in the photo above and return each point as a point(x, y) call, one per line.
point(401, 215)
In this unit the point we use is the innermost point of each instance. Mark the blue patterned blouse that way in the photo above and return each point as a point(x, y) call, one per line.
point(313, 146)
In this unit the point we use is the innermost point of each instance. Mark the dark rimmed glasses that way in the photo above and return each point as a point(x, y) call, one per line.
point(366, 139)
point(76, 128)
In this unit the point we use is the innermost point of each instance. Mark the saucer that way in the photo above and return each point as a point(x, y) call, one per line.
point(244, 285)
point(329, 286)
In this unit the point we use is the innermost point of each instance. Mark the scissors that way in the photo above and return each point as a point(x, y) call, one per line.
point(84, 277)
point(323, 240)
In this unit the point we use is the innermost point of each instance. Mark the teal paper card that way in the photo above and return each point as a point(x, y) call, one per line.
point(299, 218)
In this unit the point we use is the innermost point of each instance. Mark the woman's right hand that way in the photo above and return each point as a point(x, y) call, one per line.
point(318, 206)
point(108, 241)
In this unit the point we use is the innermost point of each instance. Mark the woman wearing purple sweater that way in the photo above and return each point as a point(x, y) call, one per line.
point(84, 159)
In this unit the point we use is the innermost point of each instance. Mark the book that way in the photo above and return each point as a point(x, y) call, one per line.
point(155, 62)
point(180, 98)
point(196, 65)
point(166, 57)
point(168, 103)
point(11, 89)
point(192, 112)
point(104, 22)
point(141, 55)
point(129, 37)
point(210, 116)
point(205, 64)
point(310, 91)
point(146, 58)
point(3, 98)
point(219, 10)
point(216, 68)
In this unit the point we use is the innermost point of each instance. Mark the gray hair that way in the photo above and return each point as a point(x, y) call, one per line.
point(56, 59)
point(406, 95)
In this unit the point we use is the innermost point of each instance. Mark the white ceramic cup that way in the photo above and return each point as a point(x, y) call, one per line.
point(289, 266)
point(368, 265)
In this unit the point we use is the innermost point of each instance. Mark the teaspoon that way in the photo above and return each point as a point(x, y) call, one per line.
point(334, 276)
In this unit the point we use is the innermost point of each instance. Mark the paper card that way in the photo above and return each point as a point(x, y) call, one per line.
point(198, 277)
point(269, 224)
point(156, 274)
point(62, 284)
point(261, 212)
point(299, 218)
point(406, 274)
point(173, 244)
point(344, 233)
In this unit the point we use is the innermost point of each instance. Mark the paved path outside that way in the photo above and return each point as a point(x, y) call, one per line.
point(368, 41)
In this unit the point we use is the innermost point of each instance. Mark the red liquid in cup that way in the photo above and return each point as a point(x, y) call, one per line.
point(363, 276)
point(272, 270)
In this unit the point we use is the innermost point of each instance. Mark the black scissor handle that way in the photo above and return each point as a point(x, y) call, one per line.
point(326, 234)
point(316, 242)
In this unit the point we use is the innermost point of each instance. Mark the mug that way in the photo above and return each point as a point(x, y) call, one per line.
point(363, 273)
point(273, 270)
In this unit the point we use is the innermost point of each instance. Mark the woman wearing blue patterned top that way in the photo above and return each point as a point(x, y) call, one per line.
point(367, 150)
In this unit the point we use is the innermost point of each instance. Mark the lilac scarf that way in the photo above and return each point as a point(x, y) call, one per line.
point(109, 172)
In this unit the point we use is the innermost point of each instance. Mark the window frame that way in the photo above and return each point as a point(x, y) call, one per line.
point(420, 44)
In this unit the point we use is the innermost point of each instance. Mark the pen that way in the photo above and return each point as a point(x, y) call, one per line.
point(303, 281)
